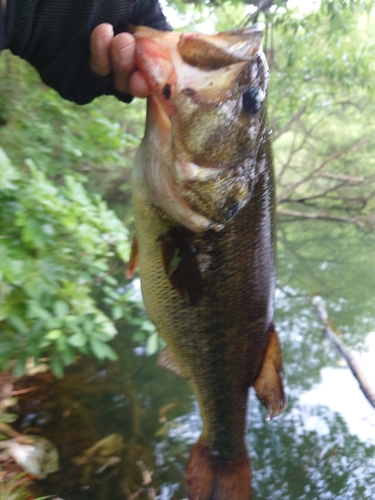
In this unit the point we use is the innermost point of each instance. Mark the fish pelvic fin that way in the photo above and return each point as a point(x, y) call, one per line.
point(269, 386)
point(168, 361)
point(133, 260)
point(211, 478)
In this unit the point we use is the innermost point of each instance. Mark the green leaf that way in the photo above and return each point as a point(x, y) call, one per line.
point(148, 326)
point(67, 356)
point(139, 336)
point(54, 335)
point(57, 367)
point(102, 350)
point(117, 311)
point(18, 324)
point(61, 309)
point(79, 339)
point(152, 344)
point(7, 347)
point(8, 173)
point(20, 366)
point(61, 343)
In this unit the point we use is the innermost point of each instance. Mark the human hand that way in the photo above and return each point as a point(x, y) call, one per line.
point(116, 54)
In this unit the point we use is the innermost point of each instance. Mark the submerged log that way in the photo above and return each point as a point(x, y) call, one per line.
point(345, 353)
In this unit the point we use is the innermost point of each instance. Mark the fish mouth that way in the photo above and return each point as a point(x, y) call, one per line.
point(223, 55)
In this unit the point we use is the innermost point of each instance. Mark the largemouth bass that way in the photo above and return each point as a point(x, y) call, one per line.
point(203, 200)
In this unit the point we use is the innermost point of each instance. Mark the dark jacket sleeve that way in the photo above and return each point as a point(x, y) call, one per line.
point(2, 27)
point(54, 36)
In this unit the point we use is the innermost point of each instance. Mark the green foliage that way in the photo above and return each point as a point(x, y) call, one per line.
point(322, 103)
point(62, 250)
point(59, 135)
point(56, 245)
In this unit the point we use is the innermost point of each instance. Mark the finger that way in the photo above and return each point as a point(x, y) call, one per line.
point(138, 86)
point(100, 44)
point(123, 60)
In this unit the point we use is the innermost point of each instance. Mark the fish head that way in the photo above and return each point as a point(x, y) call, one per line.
point(206, 121)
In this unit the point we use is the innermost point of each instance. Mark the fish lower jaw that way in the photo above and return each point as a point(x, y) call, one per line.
point(167, 197)
point(187, 171)
point(180, 212)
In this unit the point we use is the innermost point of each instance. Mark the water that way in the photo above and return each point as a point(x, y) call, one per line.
point(322, 447)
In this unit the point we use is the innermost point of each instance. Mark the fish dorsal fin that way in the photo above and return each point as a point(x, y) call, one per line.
point(269, 387)
point(133, 259)
point(168, 361)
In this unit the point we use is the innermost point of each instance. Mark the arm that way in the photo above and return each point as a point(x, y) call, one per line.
point(2, 23)
point(54, 36)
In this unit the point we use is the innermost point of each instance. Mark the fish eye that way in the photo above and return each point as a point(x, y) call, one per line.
point(252, 100)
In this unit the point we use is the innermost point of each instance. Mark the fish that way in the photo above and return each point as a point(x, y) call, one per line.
point(204, 209)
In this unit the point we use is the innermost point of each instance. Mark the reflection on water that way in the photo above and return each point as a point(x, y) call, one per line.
point(322, 447)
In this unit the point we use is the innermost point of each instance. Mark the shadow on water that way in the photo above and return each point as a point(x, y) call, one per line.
point(307, 453)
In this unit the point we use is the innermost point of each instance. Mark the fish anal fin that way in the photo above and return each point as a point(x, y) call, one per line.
point(133, 260)
point(269, 386)
point(168, 361)
point(181, 263)
point(210, 478)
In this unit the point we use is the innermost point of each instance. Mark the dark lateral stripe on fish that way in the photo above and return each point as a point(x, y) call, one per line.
point(181, 263)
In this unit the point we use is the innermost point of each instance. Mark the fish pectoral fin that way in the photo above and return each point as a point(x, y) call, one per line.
point(168, 361)
point(269, 386)
point(133, 260)
point(181, 263)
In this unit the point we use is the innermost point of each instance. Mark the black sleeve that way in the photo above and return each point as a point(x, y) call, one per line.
point(54, 36)
point(2, 27)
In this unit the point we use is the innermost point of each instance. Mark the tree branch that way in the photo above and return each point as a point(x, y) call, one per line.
point(321, 194)
point(345, 178)
point(287, 126)
point(345, 353)
point(317, 216)
point(328, 160)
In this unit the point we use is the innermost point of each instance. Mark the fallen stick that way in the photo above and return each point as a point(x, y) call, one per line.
point(345, 353)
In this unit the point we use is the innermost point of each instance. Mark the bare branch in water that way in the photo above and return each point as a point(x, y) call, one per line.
point(345, 353)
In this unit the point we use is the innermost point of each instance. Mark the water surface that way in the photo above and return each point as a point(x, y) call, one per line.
point(322, 447)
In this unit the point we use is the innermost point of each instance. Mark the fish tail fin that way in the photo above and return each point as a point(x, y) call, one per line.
point(269, 386)
point(211, 478)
